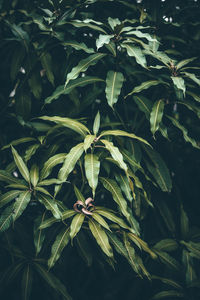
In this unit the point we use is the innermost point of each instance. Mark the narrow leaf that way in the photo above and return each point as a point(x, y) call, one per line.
point(88, 141)
point(156, 115)
point(101, 237)
point(78, 46)
point(76, 224)
point(21, 165)
point(9, 196)
point(96, 124)
point(92, 168)
point(143, 86)
point(34, 174)
point(179, 83)
point(50, 163)
point(21, 204)
point(137, 53)
point(83, 65)
point(27, 279)
point(50, 204)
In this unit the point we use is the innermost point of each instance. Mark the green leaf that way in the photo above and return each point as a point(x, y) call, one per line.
point(143, 86)
point(50, 163)
point(17, 61)
point(112, 217)
point(19, 141)
point(68, 214)
point(103, 39)
point(116, 154)
point(84, 248)
point(134, 238)
point(76, 224)
point(141, 34)
point(144, 104)
point(114, 82)
point(20, 204)
point(69, 123)
point(88, 141)
point(137, 53)
point(100, 220)
point(52, 281)
point(192, 77)
point(184, 62)
point(79, 24)
point(194, 96)
point(70, 161)
point(119, 247)
point(47, 65)
point(42, 190)
point(185, 132)
point(50, 204)
point(21, 165)
point(184, 223)
point(83, 65)
point(80, 82)
point(49, 182)
point(9, 196)
point(60, 243)
point(168, 281)
point(27, 279)
point(35, 84)
point(159, 170)
point(179, 83)
point(23, 104)
point(168, 260)
point(78, 194)
point(47, 223)
point(124, 185)
point(156, 115)
point(34, 174)
point(112, 48)
point(166, 245)
point(92, 168)
point(101, 237)
point(194, 248)
point(190, 274)
point(123, 133)
point(6, 218)
point(96, 123)
point(6, 177)
point(30, 151)
point(112, 187)
point(78, 46)
point(39, 235)
point(168, 294)
point(113, 22)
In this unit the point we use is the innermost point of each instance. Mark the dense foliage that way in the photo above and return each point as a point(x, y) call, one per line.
point(100, 162)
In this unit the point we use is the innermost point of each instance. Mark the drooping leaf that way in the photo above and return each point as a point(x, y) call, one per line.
point(79, 82)
point(6, 218)
point(21, 165)
point(69, 123)
point(112, 187)
point(27, 279)
point(156, 115)
point(6, 177)
point(123, 133)
point(159, 170)
point(50, 163)
point(19, 141)
point(179, 83)
point(134, 238)
point(78, 46)
point(184, 62)
point(50, 204)
point(190, 274)
point(124, 185)
point(20, 204)
point(101, 237)
point(52, 281)
point(92, 168)
point(168, 260)
point(60, 243)
point(39, 234)
point(78, 194)
point(143, 86)
point(83, 65)
point(97, 217)
point(168, 294)
point(46, 61)
point(141, 34)
point(116, 154)
point(166, 245)
point(136, 52)
point(70, 161)
point(76, 224)
point(144, 104)
point(192, 77)
point(114, 82)
point(185, 132)
point(9, 196)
